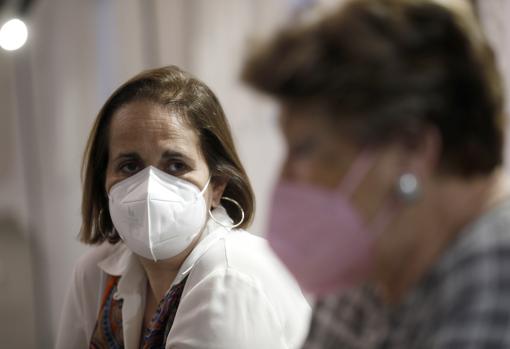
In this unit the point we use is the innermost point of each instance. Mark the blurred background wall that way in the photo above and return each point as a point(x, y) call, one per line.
point(50, 91)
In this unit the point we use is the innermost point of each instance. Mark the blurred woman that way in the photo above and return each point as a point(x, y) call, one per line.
point(392, 206)
point(165, 202)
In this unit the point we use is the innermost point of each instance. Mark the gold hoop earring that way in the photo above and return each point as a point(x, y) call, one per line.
point(100, 222)
point(102, 230)
point(238, 206)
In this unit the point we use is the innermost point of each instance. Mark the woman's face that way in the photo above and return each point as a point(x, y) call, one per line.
point(143, 133)
point(315, 153)
point(321, 153)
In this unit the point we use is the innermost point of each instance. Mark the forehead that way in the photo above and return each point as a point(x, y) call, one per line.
point(148, 123)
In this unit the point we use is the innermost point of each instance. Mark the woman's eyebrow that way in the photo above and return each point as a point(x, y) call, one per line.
point(176, 154)
point(130, 155)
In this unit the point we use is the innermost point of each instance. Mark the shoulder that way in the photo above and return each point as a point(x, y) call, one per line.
point(481, 253)
point(82, 299)
point(242, 253)
point(87, 266)
point(241, 256)
point(91, 268)
point(472, 285)
point(226, 310)
point(239, 282)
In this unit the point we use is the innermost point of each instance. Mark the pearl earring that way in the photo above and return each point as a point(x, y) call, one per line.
point(408, 187)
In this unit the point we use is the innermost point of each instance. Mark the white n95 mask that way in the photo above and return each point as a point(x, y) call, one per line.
point(156, 214)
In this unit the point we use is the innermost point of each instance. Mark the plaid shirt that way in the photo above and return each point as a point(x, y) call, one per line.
point(462, 303)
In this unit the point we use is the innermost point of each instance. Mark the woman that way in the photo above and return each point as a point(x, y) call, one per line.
point(165, 201)
point(392, 208)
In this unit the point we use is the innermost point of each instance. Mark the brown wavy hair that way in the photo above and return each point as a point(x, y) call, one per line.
point(390, 68)
point(173, 88)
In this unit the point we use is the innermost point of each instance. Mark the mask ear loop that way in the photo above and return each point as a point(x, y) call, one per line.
point(234, 225)
point(357, 173)
point(205, 186)
point(359, 170)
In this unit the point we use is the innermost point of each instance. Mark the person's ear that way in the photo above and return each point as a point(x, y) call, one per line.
point(218, 185)
point(422, 159)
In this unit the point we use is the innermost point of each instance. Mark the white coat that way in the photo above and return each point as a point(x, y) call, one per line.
point(237, 295)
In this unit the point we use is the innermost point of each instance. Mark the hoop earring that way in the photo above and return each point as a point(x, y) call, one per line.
point(106, 234)
point(238, 206)
point(100, 221)
point(114, 231)
point(408, 187)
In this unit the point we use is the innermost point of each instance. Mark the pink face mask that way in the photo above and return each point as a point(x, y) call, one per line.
point(320, 236)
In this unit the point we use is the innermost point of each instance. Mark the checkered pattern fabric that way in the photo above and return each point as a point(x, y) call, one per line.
point(462, 303)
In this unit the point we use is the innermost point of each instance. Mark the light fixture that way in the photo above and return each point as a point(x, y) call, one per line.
point(13, 30)
point(13, 34)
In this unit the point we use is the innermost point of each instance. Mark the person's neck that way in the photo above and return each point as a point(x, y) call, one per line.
point(434, 226)
point(161, 274)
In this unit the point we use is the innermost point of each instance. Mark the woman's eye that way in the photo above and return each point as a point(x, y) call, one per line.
point(130, 168)
point(177, 168)
point(303, 149)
